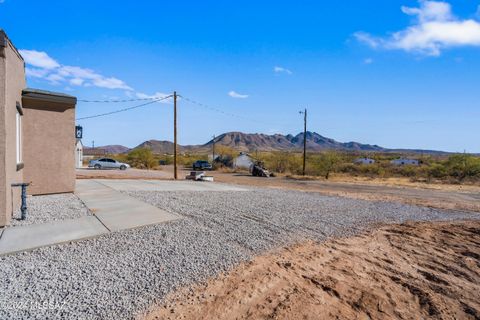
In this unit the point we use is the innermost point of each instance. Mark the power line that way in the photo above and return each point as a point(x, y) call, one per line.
point(124, 109)
point(153, 100)
point(226, 113)
point(118, 101)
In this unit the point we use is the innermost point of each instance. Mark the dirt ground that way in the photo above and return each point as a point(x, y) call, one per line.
point(408, 271)
point(435, 196)
point(132, 173)
point(441, 196)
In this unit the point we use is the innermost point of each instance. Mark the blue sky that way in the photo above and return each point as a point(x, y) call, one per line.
point(401, 74)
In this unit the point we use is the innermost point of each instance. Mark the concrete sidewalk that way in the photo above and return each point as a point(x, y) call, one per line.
point(112, 211)
point(163, 185)
point(118, 211)
point(33, 236)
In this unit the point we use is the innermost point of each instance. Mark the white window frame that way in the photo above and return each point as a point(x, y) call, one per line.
point(18, 134)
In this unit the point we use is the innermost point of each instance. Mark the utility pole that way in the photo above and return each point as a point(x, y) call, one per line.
point(175, 135)
point(213, 150)
point(304, 139)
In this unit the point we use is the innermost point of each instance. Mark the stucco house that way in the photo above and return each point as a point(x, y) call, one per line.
point(37, 140)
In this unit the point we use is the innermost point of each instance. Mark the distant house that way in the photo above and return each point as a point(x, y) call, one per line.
point(79, 154)
point(364, 161)
point(405, 162)
point(243, 161)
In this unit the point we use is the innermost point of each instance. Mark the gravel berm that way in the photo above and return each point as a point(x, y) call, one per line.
point(122, 274)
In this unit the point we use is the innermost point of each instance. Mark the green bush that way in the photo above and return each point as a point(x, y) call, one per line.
point(437, 171)
point(463, 166)
point(282, 162)
point(323, 164)
point(142, 159)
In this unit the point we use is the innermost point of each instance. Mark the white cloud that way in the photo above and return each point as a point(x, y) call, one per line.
point(45, 67)
point(237, 95)
point(367, 39)
point(430, 11)
point(55, 78)
point(36, 73)
point(435, 28)
point(110, 83)
point(76, 81)
point(278, 69)
point(156, 95)
point(39, 59)
point(368, 61)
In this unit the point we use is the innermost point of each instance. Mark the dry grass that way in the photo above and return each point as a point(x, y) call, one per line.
point(392, 181)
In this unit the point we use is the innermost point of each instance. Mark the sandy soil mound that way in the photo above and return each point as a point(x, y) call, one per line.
point(409, 271)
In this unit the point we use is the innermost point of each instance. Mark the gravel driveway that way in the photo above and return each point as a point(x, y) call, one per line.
point(121, 274)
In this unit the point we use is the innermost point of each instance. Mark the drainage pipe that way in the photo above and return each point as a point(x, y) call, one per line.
point(23, 208)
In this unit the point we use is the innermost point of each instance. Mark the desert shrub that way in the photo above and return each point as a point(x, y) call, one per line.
point(224, 157)
point(279, 162)
point(323, 164)
point(437, 171)
point(188, 159)
point(167, 159)
point(349, 168)
point(407, 171)
point(224, 151)
point(141, 158)
point(119, 157)
point(368, 170)
point(282, 162)
point(462, 166)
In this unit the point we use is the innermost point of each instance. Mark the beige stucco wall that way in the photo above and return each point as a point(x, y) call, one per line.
point(49, 146)
point(12, 79)
point(3, 183)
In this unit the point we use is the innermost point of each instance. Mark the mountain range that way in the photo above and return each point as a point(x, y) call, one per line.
point(249, 142)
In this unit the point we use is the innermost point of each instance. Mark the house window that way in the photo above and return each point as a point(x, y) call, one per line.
point(18, 144)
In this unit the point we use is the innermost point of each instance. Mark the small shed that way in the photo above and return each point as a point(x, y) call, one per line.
point(405, 162)
point(243, 161)
point(364, 161)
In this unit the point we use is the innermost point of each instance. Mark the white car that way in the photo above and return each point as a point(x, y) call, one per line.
point(107, 163)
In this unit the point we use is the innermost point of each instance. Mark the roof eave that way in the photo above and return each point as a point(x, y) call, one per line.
point(49, 96)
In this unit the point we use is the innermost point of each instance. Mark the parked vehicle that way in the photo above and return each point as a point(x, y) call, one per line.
point(257, 169)
point(201, 165)
point(107, 163)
